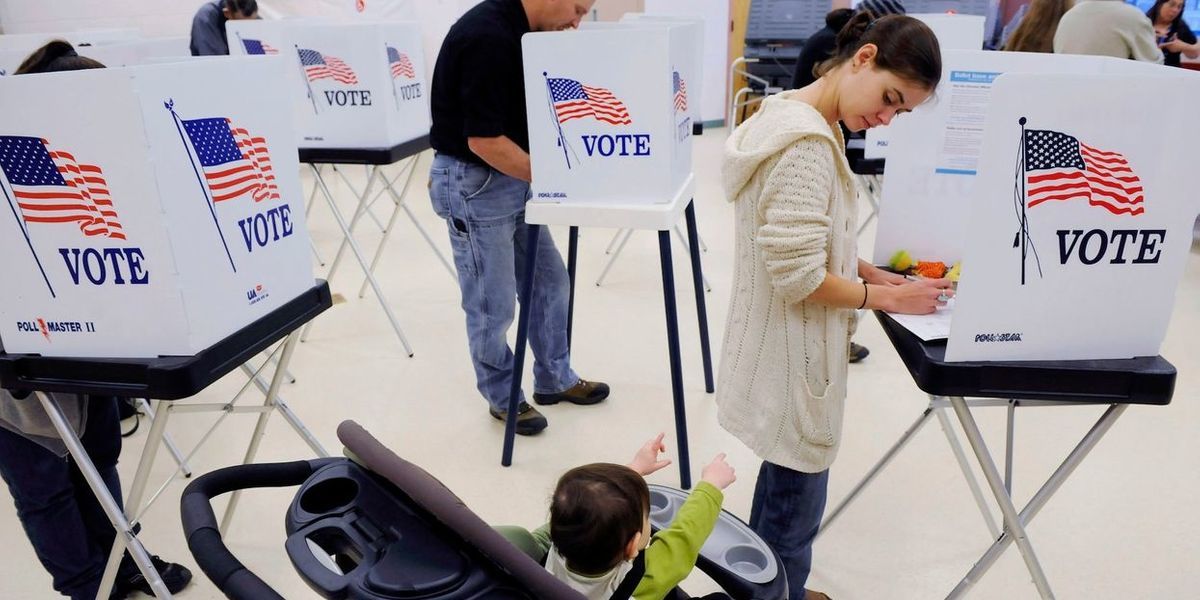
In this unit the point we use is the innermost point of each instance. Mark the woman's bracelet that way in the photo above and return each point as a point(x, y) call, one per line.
point(864, 302)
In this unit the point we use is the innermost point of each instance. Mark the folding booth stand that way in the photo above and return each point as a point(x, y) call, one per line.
point(966, 386)
point(164, 380)
point(360, 97)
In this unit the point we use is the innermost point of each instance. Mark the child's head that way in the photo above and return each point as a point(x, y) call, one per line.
point(599, 516)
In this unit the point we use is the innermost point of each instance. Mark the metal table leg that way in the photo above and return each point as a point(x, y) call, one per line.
point(1039, 499)
point(961, 457)
point(668, 278)
point(533, 233)
point(1012, 521)
point(572, 261)
point(125, 535)
point(701, 307)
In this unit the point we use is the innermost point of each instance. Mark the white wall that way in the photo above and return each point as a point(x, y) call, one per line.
point(154, 18)
point(716, 47)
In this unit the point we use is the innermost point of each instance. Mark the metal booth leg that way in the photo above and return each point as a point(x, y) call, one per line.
point(672, 313)
point(875, 470)
point(1039, 499)
point(387, 309)
point(1012, 521)
point(532, 235)
point(260, 428)
point(124, 530)
point(961, 457)
point(701, 307)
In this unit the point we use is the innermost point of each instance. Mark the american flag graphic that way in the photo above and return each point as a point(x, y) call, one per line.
point(320, 66)
point(258, 47)
point(680, 89)
point(400, 64)
point(52, 187)
point(573, 100)
point(234, 162)
point(1060, 167)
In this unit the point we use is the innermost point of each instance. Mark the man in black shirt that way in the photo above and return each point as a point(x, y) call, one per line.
point(479, 183)
point(208, 26)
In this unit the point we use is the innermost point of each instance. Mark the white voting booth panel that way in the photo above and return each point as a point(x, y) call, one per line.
point(157, 218)
point(28, 42)
point(934, 151)
point(953, 32)
point(1077, 254)
point(352, 85)
point(605, 123)
point(691, 73)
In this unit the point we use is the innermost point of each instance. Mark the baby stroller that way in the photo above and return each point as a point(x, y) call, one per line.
point(377, 527)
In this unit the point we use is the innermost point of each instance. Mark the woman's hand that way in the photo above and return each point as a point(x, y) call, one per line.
point(920, 297)
point(1175, 45)
point(873, 274)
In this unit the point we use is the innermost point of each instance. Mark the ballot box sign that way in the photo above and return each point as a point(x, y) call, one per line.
point(1076, 253)
point(608, 114)
point(156, 218)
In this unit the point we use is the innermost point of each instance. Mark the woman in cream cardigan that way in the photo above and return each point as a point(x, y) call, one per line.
point(796, 283)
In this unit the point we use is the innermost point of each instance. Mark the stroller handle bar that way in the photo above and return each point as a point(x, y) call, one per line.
point(204, 537)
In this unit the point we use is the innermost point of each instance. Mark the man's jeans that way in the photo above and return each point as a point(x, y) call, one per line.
point(485, 215)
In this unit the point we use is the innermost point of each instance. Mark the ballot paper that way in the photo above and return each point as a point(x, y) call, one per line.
point(929, 327)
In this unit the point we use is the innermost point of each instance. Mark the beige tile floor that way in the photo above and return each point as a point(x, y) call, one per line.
point(1124, 526)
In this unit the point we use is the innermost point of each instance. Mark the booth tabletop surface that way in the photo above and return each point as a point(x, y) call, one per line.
point(164, 377)
point(1141, 380)
point(655, 217)
point(365, 156)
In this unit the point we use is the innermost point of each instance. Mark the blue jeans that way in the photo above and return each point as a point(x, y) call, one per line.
point(69, 531)
point(484, 211)
point(786, 514)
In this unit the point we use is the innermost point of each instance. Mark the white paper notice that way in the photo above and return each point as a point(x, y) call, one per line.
point(928, 327)
point(970, 93)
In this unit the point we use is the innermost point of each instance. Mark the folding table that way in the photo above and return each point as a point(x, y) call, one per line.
point(657, 217)
point(1116, 383)
point(375, 159)
point(164, 379)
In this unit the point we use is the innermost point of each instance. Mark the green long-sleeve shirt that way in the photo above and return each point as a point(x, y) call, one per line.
point(672, 552)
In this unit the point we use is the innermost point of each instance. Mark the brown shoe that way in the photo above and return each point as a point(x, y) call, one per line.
point(529, 420)
point(583, 392)
point(811, 595)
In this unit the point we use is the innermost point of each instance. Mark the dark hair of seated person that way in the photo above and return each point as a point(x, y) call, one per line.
point(56, 56)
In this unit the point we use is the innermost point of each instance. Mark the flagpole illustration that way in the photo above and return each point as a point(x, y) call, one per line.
point(170, 106)
point(562, 139)
point(393, 76)
point(1020, 198)
point(307, 83)
point(28, 242)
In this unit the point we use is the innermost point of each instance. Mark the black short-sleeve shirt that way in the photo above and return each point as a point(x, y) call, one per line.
point(478, 83)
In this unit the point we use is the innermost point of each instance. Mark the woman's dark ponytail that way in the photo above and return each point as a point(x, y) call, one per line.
point(57, 55)
point(905, 47)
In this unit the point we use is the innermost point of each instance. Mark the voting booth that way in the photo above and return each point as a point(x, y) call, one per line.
point(692, 73)
point(156, 218)
point(608, 116)
point(351, 85)
point(28, 42)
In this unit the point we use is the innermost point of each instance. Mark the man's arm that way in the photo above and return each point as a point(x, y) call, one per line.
point(504, 155)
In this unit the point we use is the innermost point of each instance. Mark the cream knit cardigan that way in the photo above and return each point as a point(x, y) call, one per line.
point(782, 383)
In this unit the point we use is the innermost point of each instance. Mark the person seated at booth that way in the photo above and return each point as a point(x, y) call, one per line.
point(1174, 35)
point(1035, 33)
point(1107, 28)
point(208, 26)
point(62, 518)
point(598, 539)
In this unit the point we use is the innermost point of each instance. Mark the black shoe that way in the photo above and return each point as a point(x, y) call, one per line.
point(529, 420)
point(583, 392)
point(857, 352)
point(130, 579)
